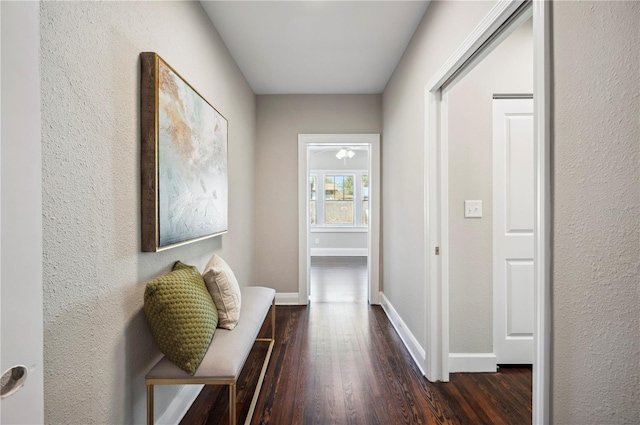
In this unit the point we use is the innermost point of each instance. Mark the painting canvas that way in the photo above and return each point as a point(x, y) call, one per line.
point(184, 156)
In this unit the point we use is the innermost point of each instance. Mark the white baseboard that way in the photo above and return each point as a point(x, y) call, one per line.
point(472, 362)
point(180, 405)
point(416, 351)
point(339, 252)
point(287, 298)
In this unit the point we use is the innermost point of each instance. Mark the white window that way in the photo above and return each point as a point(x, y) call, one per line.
point(338, 200)
point(313, 196)
point(342, 201)
point(365, 199)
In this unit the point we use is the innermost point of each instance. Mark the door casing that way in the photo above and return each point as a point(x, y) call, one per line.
point(373, 237)
point(503, 18)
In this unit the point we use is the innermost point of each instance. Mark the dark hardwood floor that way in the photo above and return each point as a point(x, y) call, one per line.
point(339, 361)
point(343, 363)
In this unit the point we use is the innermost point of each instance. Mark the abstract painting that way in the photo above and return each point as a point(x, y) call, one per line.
point(184, 160)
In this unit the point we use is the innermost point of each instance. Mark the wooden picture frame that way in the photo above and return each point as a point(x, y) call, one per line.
point(184, 178)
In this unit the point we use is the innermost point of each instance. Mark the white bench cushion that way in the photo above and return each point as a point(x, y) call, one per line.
point(229, 348)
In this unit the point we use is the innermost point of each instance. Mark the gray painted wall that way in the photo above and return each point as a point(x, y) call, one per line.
point(508, 69)
point(443, 28)
point(96, 340)
point(280, 119)
point(596, 218)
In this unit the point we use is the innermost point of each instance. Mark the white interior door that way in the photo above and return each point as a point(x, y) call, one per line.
point(513, 218)
point(21, 217)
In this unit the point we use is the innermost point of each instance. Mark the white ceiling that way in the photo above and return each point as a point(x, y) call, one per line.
point(310, 47)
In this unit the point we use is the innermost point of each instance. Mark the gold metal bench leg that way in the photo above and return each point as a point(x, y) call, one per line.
point(273, 320)
point(149, 404)
point(265, 364)
point(232, 404)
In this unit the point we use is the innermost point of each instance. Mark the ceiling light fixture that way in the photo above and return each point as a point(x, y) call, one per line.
point(345, 153)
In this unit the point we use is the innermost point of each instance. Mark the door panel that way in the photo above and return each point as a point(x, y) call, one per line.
point(21, 213)
point(519, 293)
point(519, 152)
point(513, 197)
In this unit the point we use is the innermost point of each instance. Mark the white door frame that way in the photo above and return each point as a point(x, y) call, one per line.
point(373, 235)
point(477, 45)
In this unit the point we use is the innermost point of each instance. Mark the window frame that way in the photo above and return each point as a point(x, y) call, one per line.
point(320, 199)
point(312, 176)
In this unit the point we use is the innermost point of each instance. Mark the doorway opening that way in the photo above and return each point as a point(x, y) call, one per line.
point(505, 18)
point(338, 205)
point(489, 119)
point(338, 222)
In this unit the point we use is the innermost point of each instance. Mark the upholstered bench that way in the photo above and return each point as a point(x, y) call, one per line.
point(226, 355)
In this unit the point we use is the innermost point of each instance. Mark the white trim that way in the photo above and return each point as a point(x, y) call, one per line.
point(179, 405)
point(472, 362)
point(444, 234)
point(341, 229)
point(436, 294)
point(543, 251)
point(410, 341)
point(339, 252)
point(434, 370)
point(287, 298)
point(373, 236)
point(304, 274)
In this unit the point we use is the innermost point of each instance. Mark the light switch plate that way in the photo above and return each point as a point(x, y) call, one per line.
point(473, 209)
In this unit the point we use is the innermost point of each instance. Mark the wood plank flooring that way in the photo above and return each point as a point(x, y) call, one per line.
point(338, 279)
point(339, 361)
point(343, 363)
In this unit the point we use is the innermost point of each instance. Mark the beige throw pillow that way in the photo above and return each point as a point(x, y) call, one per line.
point(225, 291)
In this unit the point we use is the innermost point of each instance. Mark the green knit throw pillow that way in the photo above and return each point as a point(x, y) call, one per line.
point(181, 315)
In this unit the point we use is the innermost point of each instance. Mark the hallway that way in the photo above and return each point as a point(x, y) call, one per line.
point(344, 363)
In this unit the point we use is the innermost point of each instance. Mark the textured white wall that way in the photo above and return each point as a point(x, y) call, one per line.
point(596, 219)
point(280, 119)
point(507, 69)
point(443, 28)
point(97, 343)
